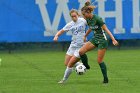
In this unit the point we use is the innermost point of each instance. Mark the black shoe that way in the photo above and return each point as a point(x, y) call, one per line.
point(105, 81)
point(87, 66)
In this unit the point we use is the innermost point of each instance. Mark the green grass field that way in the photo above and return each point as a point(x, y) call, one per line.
point(39, 72)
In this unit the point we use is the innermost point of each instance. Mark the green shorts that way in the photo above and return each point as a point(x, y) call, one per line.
point(100, 44)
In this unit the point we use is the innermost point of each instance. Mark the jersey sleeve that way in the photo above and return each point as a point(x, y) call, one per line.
point(67, 27)
point(100, 21)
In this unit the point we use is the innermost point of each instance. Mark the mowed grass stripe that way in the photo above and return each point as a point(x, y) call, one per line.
point(17, 74)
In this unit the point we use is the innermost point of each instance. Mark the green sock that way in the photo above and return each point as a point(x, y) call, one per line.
point(84, 60)
point(104, 70)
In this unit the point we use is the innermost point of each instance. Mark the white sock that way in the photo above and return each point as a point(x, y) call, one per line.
point(76, 64)
point(68, 71)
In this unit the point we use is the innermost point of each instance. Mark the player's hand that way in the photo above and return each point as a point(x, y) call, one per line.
point(55, 38)
point(115, 42)
point(85, 39)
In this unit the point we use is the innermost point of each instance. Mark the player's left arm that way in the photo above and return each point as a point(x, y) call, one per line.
point(114, 41)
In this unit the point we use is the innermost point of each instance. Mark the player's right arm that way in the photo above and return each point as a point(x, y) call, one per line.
point(66, 28)
point(58, 34)
point(87, 33)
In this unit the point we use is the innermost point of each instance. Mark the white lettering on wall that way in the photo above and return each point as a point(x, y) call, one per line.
point(62, 8)
point(117, 14)
point(136, 16)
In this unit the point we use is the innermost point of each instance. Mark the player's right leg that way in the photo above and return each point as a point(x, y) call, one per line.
point(69, 55)
point(87, 47)
point(67, 59)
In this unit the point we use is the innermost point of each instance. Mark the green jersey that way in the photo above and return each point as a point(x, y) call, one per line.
point(99, 39)
point(96, 24)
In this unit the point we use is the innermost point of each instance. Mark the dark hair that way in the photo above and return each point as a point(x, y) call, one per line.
point(88, 7)
point(87, 3)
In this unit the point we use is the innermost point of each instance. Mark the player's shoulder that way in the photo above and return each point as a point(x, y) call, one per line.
point(97, 17)
point(82, 19)
point(70, 23)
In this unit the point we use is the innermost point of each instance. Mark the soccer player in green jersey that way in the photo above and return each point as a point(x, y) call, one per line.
point(99, 39)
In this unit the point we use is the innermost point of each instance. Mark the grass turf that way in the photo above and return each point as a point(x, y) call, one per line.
point(39, 72)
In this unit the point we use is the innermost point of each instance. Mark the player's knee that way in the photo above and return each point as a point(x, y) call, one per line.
point(81, 52)
point(72, 62)
point(99, 60)
point(70, 65)
point(66, 63)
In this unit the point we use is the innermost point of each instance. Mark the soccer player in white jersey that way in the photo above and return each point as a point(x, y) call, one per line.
point(77, 26)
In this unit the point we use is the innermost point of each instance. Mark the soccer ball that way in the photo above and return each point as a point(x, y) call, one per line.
point(80, 69)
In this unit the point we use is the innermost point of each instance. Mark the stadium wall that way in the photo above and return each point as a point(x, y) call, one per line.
point(39, 20)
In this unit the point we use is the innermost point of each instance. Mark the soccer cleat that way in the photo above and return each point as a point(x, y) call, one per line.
point(61, 81)
point(87, 66)
point(105, 81)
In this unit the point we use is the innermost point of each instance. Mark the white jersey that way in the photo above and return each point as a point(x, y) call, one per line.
point(78, 31)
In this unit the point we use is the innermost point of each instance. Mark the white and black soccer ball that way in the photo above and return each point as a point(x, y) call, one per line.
point(80, 69)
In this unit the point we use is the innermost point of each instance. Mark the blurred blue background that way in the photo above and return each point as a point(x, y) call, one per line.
point(23, 21)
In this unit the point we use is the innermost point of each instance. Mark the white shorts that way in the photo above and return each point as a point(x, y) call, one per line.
point(72, 51)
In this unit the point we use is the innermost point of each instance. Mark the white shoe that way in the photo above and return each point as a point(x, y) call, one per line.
point(61, 81)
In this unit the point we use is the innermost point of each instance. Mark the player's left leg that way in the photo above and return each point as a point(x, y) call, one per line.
point(69, 69)
point(73, 61)
point(101, 54)
point(87, 47)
